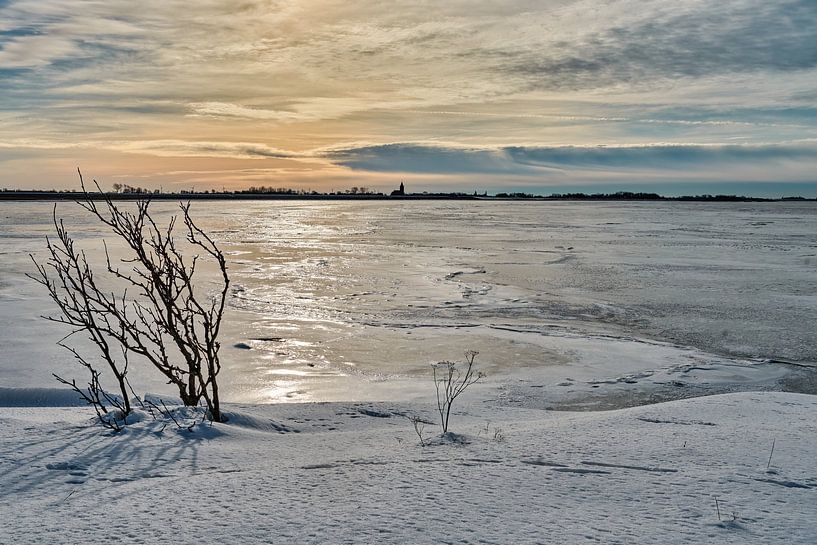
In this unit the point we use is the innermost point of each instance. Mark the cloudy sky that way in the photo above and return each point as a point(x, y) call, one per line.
point(674, 96)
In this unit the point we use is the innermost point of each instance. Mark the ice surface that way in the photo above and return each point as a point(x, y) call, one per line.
point(353, 300)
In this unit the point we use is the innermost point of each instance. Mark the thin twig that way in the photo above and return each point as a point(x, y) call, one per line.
point(769, 463)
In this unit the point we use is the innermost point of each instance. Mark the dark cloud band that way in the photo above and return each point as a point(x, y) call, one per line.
point(522, 160)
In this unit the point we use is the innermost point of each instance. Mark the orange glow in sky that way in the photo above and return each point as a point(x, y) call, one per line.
point(520, 95)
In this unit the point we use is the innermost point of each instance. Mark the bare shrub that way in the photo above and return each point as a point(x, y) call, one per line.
point(450, 381)
point(159, 315)
point(419, 424)
point(497, 434)
point(97, 397)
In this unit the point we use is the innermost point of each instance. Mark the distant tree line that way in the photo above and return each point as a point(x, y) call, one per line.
point(265, 190)
point(641, 196)
point(619, 195)
point(131, 190)
point(260, 191)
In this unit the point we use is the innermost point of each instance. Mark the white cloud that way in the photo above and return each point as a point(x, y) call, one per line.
point(34, 51)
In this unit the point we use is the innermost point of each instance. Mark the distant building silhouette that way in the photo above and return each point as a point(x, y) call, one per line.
point(401, 191)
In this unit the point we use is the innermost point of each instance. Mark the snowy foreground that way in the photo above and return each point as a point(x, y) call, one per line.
point(356, 473)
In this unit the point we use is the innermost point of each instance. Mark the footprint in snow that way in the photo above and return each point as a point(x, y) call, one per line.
point(77, 472)
point(66, 466)
point(579, 470)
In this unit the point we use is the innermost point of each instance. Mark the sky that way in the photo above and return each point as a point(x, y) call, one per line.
point(541, 96)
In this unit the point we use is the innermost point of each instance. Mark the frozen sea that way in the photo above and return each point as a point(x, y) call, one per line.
point(353, 300)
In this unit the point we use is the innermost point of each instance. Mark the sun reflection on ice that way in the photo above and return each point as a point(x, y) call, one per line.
point(289, 372)
point(284, 391)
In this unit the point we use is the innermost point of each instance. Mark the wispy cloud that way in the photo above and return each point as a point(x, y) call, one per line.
point(217, 109)
point(34, 51)
point(184, 148)
point(277, 79)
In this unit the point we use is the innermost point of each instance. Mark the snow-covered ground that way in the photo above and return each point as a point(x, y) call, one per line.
point(355, 473)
